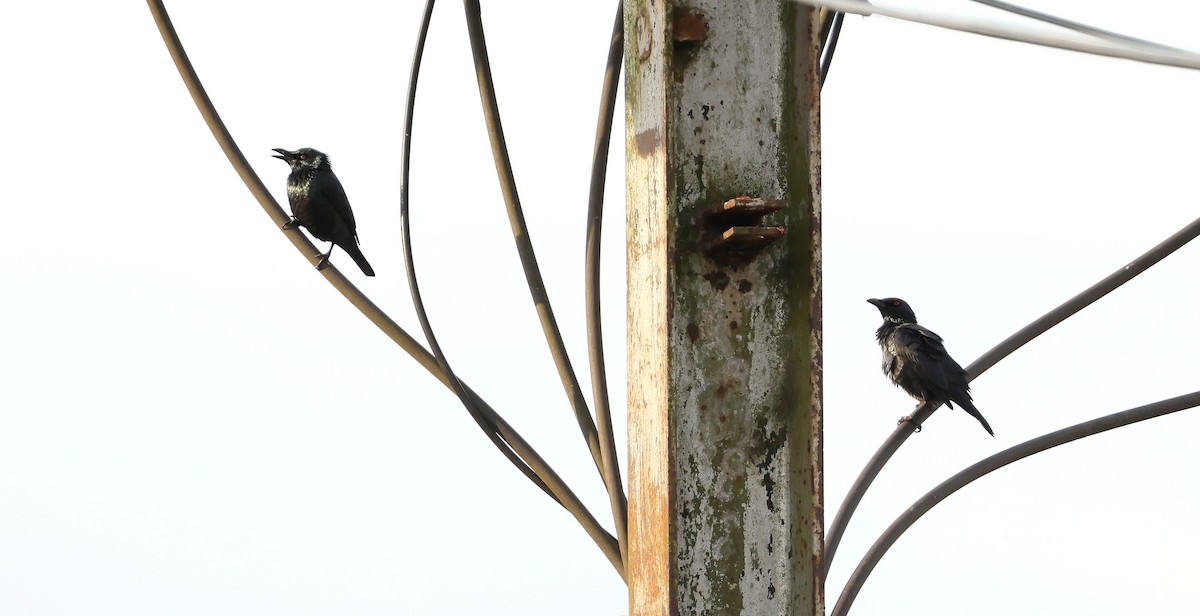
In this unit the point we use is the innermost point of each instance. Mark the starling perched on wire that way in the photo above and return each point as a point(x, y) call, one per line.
point(319, 204)
point(915, 360)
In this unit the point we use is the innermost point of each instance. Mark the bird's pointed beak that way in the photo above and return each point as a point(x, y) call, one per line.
point(284, 155)
point(878, 303)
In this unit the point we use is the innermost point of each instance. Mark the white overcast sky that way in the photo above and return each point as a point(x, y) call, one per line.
point(193, 422)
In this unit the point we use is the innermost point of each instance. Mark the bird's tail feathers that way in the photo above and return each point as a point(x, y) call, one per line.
point(359, 259)
point(969, 407)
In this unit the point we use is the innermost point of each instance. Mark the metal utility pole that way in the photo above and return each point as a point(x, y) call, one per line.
point(725, 507)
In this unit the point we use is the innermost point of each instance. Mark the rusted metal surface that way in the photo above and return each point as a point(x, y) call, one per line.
point(744, 208)
point(688, 25)
point(746, 240)
point(737, 229)
point(724, 354)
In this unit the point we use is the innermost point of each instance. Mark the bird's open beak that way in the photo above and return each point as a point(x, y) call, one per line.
point(283, 155)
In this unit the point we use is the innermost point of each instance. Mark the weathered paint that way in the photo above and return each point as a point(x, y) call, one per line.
point(724, 370)
point(649, 574)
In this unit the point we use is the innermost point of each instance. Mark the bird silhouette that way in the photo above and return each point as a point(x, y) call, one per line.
point(319, 204)
point(916, 361)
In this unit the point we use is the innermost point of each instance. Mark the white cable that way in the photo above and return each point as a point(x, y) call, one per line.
point(1099, 33)
point(1167, 57)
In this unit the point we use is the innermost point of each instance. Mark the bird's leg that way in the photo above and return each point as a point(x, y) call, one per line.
point(292, 223)
point(909, 418)
point(325, 258)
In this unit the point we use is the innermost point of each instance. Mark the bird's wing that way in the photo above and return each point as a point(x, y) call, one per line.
point(922, 351)
point(331, 189)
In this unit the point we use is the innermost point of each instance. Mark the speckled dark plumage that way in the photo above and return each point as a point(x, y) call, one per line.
point(915, 359)
point(319, 204)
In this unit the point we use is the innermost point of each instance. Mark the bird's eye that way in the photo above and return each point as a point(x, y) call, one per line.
point(895, 302)
point(304, 157)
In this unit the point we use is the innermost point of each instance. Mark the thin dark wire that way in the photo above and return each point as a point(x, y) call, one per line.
point(606, 542)
point(1100, 33)
point(603, 539)
point(1178, 240)
point(826, 17)
point(516, 216)
point(831, 41)
point(1154, 55)
point(533, 276)
point(489, 428)
point(608, 449)
point(1006, 347)
point(992, 463)
point(837, 528)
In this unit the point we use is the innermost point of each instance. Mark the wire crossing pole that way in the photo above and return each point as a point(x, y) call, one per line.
point(724, 308)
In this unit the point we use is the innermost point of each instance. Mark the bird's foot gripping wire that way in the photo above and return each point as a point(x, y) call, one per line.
point(290, 224)
point(909, 419)
point(324, 260)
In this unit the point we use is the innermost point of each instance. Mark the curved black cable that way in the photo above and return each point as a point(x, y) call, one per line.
point(489, 428)
point(389, 327)
point(1006, 347)
point(830, 46)
point(516, 216)
point(533, 276)
point(608, 449)
point(994, 462)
